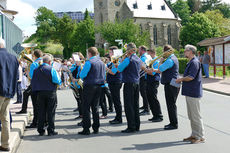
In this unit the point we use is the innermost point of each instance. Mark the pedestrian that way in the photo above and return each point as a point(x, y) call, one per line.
point(169, 67)
point(93, 75)
point(44, 83)
point(192, 90)
point(19, 87)
point(8, 83)
point(130, 68)
point(205, 62)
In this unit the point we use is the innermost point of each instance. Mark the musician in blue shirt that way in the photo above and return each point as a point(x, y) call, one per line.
point(130, 69)
point(170, 70)
point(93, 75)
point(44, 83)
point(153, 79)
point(143, 81)
point(37, 56)
point(114, 80)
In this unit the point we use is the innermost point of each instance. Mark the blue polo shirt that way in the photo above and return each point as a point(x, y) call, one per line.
point(193, 88)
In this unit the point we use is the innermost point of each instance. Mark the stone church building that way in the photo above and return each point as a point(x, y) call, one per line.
point(155, 16)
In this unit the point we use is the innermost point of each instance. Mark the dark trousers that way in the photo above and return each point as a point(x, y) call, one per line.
point(171, 94)
point(115, 92)
point(19, 92)
point(47, 103)
point(143, 88)
point(131, 104)
point(26, 95)
point(103, 102)
point(152, 90)
point(79, 100)
point(35, 107)
point(91, 98)
point(109, 96)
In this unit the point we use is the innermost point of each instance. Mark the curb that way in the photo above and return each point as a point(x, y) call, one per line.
point(215, 91)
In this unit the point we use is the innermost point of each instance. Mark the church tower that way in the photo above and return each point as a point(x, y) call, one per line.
point(106, 10)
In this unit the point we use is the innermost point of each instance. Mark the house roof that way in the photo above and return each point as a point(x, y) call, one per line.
point(214, 41)
point(160, 9)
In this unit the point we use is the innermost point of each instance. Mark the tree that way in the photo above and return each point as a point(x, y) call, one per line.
point(182, 9)
point(84, 35)
point(46, 22)
point(225, 9)
point(86, 14)
point(194, 5)
point(64, 34)
point(210, 5)
point(127, 30)
point(198, 28)
point(218, 19)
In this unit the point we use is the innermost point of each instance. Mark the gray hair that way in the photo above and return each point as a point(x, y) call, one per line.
point(191, 48)
point(2, 43)
point(46, 59)
point(131, 46)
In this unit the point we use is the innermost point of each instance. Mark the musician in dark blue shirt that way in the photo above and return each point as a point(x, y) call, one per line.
point(130, 69)
point(93, 75)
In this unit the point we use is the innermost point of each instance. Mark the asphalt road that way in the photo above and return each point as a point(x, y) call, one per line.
point(215, 110)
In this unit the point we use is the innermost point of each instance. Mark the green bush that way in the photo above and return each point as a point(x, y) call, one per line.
point(101, 51)
point(182, 64)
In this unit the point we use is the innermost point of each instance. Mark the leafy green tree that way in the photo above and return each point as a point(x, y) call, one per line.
point(127, 30)
point(225, 9)
point(198, 28)
point(218, 19)
point(194, 5)
point(86, 14)
point(84, 35)
point(182, 9)
point(46, 22)
point(210, 5)
point(64, 34)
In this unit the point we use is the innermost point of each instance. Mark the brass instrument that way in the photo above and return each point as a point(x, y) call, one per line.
point(165, 55)
point(73, 85)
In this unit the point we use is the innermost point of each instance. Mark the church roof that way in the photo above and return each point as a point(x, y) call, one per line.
point(151, 9)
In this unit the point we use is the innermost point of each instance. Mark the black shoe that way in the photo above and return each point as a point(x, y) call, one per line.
point(95, 131)
point(80, 124)
point(31, 126)
point(52, 133)
point(84, 132)
point(75, 110)
point(137, 129)
point(78, 117)
point(170, 127)
point(151, 119)
point(110, 110)
point(4, 149)
point(42, 134)
point(21, 112)
point(128, 130)
point(115, 122)
point(17, 102)
point(157, 119)
point(144, 112)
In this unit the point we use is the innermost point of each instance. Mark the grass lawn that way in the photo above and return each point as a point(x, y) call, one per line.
point(219, 71)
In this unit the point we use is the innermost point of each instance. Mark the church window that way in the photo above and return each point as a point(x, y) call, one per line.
point(118, 16)
point(150, 6)
point(101, 18)
point(135, 6)
point(169, 35)
point(155, 34)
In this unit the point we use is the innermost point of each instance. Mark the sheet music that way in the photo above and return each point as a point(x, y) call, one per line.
point(76, 57)
point(117, 52)
point(57, 66)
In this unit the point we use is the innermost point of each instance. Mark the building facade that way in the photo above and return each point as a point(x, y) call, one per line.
point(75, 16)
point(152, 15)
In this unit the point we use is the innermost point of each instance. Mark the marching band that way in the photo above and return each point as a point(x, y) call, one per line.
point(93, 79)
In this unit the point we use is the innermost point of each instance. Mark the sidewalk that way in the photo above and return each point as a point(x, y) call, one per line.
point(217, 85)
point(18, 125)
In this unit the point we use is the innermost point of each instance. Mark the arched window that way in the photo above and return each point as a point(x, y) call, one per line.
point(169, 35)
point(155, 34)
point(117, 16)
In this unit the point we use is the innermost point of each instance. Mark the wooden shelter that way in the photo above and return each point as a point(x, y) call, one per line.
point(219, 51)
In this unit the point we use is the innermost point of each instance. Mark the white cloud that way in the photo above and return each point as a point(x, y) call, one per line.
point(25, 17)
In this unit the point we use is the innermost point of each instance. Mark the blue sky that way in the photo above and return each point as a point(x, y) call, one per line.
point(27, 8)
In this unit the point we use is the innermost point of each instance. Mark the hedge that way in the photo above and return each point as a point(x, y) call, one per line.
point(182, 64)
